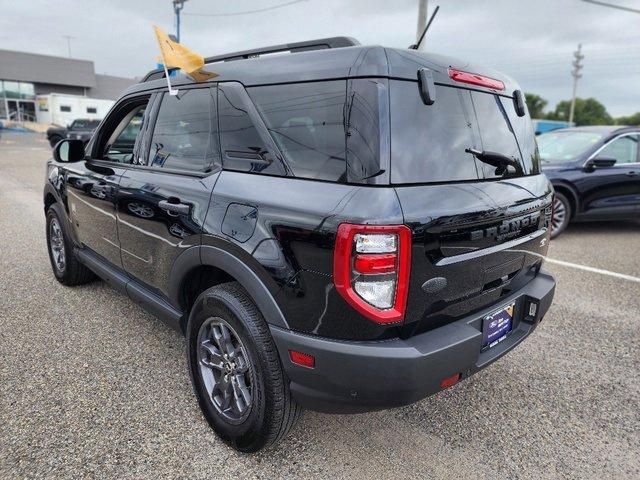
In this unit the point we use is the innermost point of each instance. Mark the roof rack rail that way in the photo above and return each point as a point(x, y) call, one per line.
point(320, 44)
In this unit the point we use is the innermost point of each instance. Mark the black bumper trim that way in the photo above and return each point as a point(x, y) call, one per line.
point(351, 376)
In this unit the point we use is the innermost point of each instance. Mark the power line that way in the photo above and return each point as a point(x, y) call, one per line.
point(266, 9)
point(611, 5)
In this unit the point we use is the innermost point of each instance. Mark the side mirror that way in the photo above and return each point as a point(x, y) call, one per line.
point(600, 162)
point(68, 151)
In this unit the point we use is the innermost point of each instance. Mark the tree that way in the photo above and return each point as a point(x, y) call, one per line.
point(535, 104)
point(630, 120)
point(587, 112)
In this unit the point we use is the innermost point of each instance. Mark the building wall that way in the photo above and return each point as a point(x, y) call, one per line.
point(46, 88)
point(31, 67)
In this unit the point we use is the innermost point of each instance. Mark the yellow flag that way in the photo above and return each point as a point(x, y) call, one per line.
point(175, 55)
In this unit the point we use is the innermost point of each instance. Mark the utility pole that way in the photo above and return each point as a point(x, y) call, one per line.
point(422, 18)
point(575, 73)
point(178, 5)
point(68, 37)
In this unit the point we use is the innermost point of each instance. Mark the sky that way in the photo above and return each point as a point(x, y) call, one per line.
point(532, 41)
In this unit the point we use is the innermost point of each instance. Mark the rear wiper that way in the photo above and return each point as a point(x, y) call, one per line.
point(495, 159)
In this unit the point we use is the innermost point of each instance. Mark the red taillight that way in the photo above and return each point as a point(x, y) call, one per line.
point(303, 359)
point(371, 269)
point(449, 381)
point(375, 263)
point(475, 79)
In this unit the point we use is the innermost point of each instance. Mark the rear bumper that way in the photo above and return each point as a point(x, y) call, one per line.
point(352, 376)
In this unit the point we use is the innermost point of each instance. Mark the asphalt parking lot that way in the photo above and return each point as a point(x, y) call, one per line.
point(92, 386)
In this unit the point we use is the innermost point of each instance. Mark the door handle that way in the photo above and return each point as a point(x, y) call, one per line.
point(632, 173)
point(174, 205)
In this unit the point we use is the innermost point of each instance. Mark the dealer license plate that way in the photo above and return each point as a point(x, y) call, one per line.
point(496, 326)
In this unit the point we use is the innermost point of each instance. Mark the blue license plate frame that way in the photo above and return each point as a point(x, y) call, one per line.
point(497, 326)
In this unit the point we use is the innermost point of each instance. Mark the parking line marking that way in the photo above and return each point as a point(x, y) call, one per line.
point(594, 270)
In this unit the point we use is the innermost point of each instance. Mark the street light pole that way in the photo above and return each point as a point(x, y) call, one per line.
point(68, 37)
point(178, 5)
point(575, 73)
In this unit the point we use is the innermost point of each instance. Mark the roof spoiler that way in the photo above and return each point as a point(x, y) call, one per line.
point(320, 44)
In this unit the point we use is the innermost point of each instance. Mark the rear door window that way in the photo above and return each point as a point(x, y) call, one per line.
point(181, 135)
point(428, 142)
point(244, 147)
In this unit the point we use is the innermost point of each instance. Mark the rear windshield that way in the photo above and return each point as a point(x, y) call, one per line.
point(428, 143)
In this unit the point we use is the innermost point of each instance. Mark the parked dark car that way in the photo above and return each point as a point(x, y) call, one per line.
point(595, 172)
point(343, 228)
point(79, 129)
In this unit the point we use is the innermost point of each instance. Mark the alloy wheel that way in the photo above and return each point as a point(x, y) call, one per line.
point(559, 215)
point(225, 370)
point(56, 244)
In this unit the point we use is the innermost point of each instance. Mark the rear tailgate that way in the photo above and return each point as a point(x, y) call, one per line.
point(479, 232)
point(472, 244)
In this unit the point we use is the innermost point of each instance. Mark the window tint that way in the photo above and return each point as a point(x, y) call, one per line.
point(92, 110)
point(243, 148)
point(428, 142)
point(525, 135)
point(121, 144)
point(182, 132)
point(495, 129)
point(367, 109)
point(65, 108)
point(306, 122)
point(624, 149)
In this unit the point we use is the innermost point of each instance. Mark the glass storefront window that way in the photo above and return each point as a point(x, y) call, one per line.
point(27, 91)
point(11, 89)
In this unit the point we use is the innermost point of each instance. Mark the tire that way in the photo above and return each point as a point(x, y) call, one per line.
point(561, 214)
point(53, 141)
point(69, 271)
point(271, 411)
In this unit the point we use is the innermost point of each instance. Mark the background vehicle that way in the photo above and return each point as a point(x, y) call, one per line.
point(79, 129)
point(595, 172)
point(355, 227)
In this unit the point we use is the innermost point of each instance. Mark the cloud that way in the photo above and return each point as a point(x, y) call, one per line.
point(531, 41)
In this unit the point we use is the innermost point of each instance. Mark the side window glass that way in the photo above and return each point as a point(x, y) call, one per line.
point(121, 144)
point(306, 122)
point(243, 148)
point(623, 149)
point(182, 133)
point(366, 120)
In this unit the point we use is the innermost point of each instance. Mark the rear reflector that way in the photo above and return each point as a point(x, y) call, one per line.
point(449, 381)
point(303, 359)
point(475, 79)
point(372, 263)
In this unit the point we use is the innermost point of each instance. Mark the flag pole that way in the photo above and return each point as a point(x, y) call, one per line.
point(166, 74)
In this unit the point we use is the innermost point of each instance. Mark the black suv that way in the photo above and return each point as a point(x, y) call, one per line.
point(343, 228)
point(79, 129)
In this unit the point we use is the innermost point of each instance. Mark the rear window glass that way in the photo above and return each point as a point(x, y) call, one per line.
point(428, 142)
point(496, 132)
point(306, 122)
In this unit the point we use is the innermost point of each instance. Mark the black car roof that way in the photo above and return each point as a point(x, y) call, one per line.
point(326, 64)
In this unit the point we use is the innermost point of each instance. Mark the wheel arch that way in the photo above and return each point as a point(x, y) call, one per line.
point(569, 192)
point(199, 268)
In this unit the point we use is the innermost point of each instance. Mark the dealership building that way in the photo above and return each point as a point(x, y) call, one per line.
point(51, 89)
